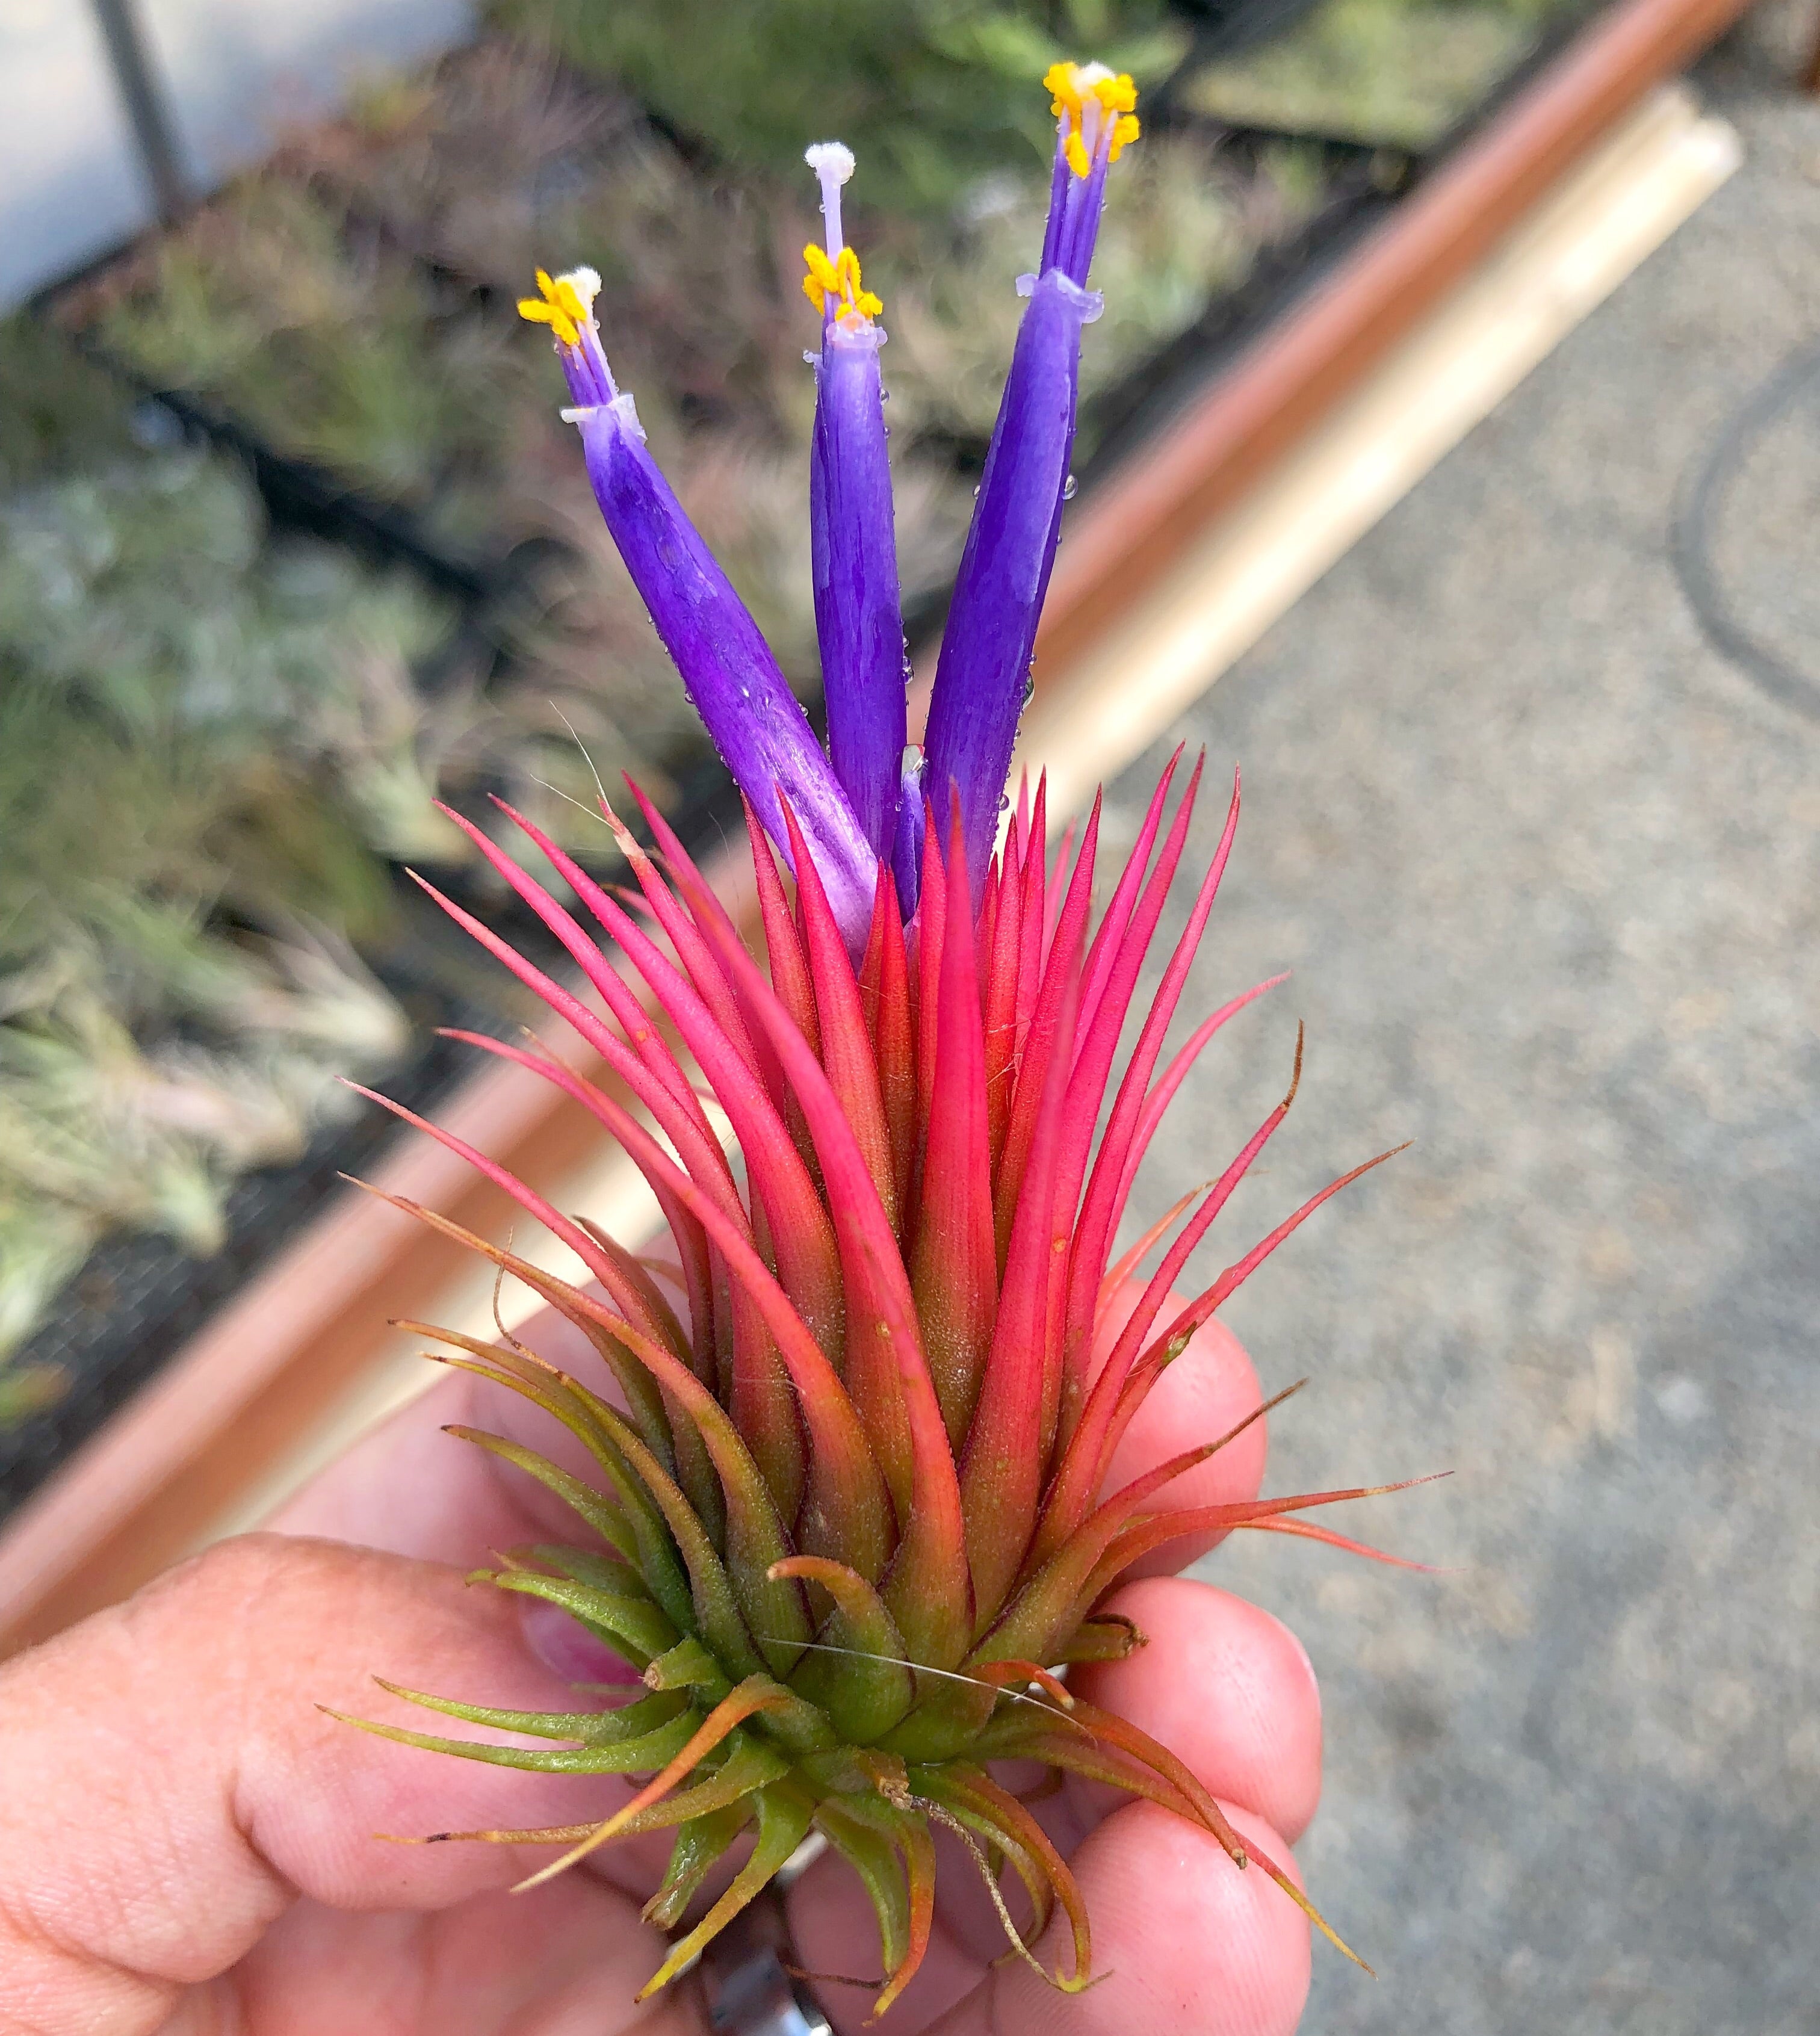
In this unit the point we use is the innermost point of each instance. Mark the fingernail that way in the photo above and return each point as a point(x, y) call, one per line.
point(571, 1650)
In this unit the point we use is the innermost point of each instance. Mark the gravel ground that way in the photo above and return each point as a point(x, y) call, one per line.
point(1545, 865)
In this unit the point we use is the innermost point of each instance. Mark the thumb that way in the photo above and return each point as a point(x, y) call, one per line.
point(169, 1788)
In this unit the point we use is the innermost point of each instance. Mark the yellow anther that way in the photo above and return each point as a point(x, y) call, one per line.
point(565, 304)
point(840, 279)
point(822, 277)
point(1058, 82)
point(1072, 87)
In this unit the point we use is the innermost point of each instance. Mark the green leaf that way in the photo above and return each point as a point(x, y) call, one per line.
point(608, 1520)
point(688, 1665)
point(873, 1856)
point(607, 1728)
point(631, 1756)
point(699, 1844)
point(784, 1815)
point(635, 1626)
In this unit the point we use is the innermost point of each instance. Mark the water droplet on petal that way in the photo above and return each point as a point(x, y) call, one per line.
point(1069, 488)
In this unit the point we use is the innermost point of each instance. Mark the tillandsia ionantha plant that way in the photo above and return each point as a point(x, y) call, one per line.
point(850, 1526)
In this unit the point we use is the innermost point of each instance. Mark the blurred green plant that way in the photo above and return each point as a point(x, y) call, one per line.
point(332, 345)
point(206, 741)
point(146, 596)
point(169, 1016)
point(938, 91)
point(1394, 73)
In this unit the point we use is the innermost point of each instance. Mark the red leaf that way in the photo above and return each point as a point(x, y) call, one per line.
point(954, 1267)
point(846, 1049)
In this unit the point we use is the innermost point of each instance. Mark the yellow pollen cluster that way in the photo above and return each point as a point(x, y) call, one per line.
point(565, 304)
point(839, 279)
point(1070, 89)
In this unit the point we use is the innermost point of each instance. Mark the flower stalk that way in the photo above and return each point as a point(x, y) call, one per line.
point(732, 677)
point(859, 617)
point(983, 675)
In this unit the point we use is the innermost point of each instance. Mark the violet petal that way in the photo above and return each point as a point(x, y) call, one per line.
point(756, 722)
point(859, 620)
point(982, 676)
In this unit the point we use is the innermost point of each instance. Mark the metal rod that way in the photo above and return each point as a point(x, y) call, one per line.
point(141, 91)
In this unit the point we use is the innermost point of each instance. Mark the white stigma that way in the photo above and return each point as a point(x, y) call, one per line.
point(587, 282)
point(833, 163)
point(1092, 114)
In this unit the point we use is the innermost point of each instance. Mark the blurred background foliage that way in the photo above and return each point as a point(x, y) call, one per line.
point(207, 743)
point(1393, 73)
point(939, 92)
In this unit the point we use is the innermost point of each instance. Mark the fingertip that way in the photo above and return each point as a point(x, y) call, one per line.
point(1204, 1394)
point(1225, 1687)
point(1183, 1939)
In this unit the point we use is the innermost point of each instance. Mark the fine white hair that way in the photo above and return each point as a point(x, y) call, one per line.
point(829, 158)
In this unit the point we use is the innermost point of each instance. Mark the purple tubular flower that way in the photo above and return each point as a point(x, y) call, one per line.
point(907, 846)
point(983, 675)
point(756, 722)
point(859, 617)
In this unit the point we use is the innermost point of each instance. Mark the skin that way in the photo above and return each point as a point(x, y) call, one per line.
point(187, 1842)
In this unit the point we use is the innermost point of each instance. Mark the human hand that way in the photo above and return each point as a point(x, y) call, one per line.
point(188, 1844)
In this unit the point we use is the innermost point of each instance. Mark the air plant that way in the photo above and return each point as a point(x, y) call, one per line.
point(850, 1525)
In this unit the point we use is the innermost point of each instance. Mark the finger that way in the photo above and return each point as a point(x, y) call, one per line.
point(1223, 1686)
point(410, 1489)
point(172, 1786)
point(1203, 1395)
point(1227, 1688)
point(557, 1963)
point(1184, 1944)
